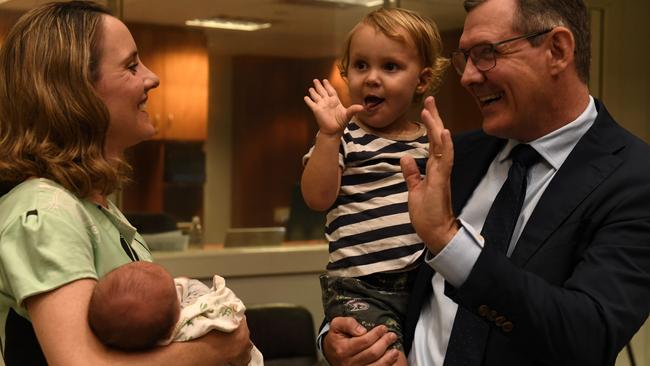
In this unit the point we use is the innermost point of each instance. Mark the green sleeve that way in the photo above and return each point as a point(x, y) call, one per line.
point(42, 250)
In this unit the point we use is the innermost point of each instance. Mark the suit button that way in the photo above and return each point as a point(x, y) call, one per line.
point(483, 310)
point(507, 327)
point(500, 320)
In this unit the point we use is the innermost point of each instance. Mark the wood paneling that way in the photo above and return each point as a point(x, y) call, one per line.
point(457, 108)
point(145, 191)
point(179, 56)
point(273, 128)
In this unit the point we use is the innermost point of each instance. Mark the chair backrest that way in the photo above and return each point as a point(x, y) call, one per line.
point(284, 333)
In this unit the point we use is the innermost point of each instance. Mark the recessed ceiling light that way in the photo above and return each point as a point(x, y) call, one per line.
point(368, 3)
point(228, 23)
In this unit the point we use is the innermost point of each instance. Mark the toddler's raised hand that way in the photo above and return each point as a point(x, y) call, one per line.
point(331, 115)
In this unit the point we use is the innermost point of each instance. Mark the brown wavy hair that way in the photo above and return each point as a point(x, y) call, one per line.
point(52, 123)
point(423, 31)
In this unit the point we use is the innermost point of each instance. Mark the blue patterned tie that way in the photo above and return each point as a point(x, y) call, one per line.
point(469, 333)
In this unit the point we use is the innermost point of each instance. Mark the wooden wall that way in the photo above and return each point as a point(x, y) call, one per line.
point(273, 128)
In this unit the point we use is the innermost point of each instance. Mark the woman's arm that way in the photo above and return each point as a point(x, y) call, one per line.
point(60, 321)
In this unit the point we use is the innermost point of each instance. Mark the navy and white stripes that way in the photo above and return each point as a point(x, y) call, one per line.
point(368, 227)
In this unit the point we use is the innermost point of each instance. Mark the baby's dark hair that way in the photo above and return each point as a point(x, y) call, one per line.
point(134, 307)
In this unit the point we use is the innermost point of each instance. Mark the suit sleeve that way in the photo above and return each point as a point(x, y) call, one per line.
point(585, 292)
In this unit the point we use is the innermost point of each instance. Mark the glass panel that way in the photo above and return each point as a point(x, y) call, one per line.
point(232, 123)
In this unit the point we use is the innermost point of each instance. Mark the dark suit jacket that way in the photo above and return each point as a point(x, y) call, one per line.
point(577, 286)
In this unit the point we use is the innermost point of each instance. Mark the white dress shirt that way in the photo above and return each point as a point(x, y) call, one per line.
point(455, 262)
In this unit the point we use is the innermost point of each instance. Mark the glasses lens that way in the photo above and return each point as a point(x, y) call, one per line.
point(459, 61)
point(483, 56)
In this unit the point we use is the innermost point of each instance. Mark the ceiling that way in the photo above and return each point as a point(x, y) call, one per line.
point(301, 28)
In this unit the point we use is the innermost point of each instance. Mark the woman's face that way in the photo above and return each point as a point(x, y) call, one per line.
point(123, 85)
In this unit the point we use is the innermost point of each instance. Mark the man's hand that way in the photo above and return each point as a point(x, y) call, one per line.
point(430, 198)
point(331, 115)
point(349, 344)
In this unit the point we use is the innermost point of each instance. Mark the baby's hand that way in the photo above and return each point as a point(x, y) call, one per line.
point(331, 115)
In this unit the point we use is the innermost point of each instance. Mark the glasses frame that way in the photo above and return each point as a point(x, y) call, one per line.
point(494, 51)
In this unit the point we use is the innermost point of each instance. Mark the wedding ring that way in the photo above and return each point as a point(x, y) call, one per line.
point(438, 156)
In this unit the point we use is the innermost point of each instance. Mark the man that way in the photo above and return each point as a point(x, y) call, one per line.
point(571, 284)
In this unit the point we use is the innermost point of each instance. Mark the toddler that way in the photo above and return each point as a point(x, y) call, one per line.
point(391, 60)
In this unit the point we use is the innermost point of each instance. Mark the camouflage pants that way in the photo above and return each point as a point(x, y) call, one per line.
point(379, 298)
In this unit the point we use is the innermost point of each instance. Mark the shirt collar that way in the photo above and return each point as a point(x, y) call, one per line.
point(556, 146)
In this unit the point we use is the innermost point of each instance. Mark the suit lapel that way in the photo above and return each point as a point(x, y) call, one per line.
point(591, 161)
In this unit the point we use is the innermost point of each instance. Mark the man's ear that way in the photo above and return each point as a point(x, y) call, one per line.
point(562, 49)
point(424, 80)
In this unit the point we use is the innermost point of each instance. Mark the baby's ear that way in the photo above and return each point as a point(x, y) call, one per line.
point(424, 80)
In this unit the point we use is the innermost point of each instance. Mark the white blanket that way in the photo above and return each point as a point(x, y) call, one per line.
point(204, 309)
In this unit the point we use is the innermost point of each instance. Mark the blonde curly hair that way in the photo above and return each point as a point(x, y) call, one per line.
point(392, 22)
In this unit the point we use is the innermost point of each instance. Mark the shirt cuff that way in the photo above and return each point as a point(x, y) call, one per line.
point(319, 343)
point(456, 260)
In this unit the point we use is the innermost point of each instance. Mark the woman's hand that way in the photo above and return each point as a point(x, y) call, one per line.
point(235, 348)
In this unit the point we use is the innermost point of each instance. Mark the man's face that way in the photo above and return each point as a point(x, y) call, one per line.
point(511, 96)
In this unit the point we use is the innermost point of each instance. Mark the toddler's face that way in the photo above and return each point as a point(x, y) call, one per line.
point(383, 75)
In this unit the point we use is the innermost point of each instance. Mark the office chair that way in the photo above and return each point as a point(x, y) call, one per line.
point(284, 333)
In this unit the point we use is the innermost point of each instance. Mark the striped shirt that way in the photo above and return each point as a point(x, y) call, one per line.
point(368, 227)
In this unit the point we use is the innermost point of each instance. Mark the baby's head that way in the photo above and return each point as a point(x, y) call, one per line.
point(408, 27)
point(134, 306)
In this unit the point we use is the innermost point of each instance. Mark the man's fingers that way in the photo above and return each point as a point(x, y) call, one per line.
point(388, 359)
point(432, 121)
point(375, 354)
point(347, 325)
point(410, 171)
point(447, 147)
point(430, 105)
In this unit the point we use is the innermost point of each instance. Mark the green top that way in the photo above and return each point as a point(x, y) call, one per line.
point(49, 237)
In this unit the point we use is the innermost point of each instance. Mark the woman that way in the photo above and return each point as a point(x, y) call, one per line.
point(73, 96)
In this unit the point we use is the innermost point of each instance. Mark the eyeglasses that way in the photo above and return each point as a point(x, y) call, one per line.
point(484, 55)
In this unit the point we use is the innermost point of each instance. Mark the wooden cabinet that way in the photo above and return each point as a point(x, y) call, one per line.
point(179, 106)
point(168, 177)
point(179, 110)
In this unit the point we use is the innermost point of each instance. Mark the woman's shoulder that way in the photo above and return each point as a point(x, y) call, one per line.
point(38, 191)
point(37, 194)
